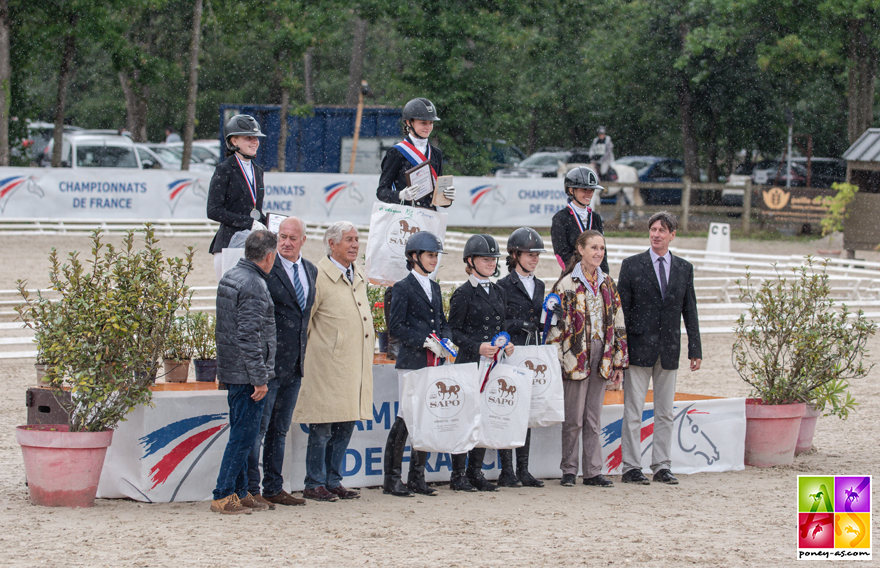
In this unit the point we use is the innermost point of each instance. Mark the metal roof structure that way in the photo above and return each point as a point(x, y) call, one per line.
point(866, 148)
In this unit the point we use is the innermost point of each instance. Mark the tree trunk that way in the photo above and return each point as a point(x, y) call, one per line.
point(356, 66)
point(308, 63)
point(282, 133)
point(685, 109)
point(193, 86)
point(863, 68)
point(5, 76)
point(136, 106)
point(64, 74)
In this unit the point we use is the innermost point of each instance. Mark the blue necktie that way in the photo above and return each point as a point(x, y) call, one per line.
point(662, 270)
point(298, 288)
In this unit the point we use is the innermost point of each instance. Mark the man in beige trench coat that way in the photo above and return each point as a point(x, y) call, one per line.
point(337, 383)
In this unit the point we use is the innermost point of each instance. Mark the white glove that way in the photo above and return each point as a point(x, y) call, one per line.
point(435, 347)
point(257, 226)
point(408, 193)
point(449, 193)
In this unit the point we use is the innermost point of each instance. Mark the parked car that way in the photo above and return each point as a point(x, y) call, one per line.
point(503, 154)
point(83, 149)
point(545, 164)
point(29, 150)
point(659, 170)
point(823, 172)
point(203, 151)
point(167, 157)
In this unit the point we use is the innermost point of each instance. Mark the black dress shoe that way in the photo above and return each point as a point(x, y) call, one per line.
point(635, 476)
point(568, 480)
point(508, 479)
point(665, 476)
point(598, 481)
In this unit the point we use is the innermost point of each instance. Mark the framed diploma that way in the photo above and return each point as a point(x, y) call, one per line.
point(420, 176)
point(273, 221)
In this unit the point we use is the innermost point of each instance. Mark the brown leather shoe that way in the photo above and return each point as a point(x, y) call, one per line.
point(254, 504)
point(230, 505)
point(344, 493)
point(260, 499)
point(284, 498)
point(319, 493)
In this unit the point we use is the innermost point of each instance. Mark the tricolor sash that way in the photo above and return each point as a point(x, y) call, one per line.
point(577, 218)
point(414, 156)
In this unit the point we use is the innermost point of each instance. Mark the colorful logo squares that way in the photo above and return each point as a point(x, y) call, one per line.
point(834, 517)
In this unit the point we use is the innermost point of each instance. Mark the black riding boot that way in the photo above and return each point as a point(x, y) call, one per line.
point(475, 470)
point(507, 478)
point(394, 459)
point(416, 481)
point(459, 481)
point(522, 464)
point(393, 342)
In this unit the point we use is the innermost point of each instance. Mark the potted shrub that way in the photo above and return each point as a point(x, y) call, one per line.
point(376, 296)
point(41, 365)
point(103, 339)
point(795, 348)
point(204, 346)
point(178, 350)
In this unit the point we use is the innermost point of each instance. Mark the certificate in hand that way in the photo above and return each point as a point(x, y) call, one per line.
point(421, 177)
point(273, 221)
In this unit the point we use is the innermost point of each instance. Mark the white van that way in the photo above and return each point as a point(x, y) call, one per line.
point(89, 150)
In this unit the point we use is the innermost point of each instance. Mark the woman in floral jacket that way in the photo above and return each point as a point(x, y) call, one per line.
point(591, 338)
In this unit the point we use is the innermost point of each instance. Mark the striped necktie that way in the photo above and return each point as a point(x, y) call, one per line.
point(298, 288)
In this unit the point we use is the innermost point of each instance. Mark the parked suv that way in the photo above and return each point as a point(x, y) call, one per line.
point(88, 150)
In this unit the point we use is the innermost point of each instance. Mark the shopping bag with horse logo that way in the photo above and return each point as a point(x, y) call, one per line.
point(441, 408)
point(541, 363)
point(390, 227)
point(504, 410)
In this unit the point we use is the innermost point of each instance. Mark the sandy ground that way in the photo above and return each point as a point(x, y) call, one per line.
point(745, 518)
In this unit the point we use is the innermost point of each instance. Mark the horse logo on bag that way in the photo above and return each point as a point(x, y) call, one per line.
point(538, 368)
point(502, 397)
point(399, 232)
point(444, 398)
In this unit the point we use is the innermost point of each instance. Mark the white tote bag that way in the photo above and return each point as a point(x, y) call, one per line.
point(504, 408)
point(541, 363)
point(441, 408)
point(390, 227)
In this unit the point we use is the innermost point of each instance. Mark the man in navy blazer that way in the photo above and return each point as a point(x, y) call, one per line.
point(656, 291)
point(291, 283)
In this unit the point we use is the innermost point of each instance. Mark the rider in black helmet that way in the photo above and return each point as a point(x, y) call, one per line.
point(576, 217)
point(416, 314)
point(475, 321)
point(235, 196)
point(419, 116)
point(525, 296)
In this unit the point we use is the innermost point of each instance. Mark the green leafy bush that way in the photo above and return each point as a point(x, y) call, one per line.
point(202, 331)
point(837, 207)
point(796, 346)
point(104, 336)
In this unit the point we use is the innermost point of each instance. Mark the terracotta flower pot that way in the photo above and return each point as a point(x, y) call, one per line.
point(176, 371)
point(62, 468)
point(771, 432)
point(807, 429)
point(206, 370)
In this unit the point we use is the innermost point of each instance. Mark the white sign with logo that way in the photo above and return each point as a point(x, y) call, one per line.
point(131, 194)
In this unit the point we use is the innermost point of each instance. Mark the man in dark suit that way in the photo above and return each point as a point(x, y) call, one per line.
point(656, 292)
point(291, 284)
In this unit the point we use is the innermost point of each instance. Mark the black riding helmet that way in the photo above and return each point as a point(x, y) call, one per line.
point(422, 241)
point(581, 177)
point(241, 125)
point(481, 245)
point(420, 109)
point(525, 239)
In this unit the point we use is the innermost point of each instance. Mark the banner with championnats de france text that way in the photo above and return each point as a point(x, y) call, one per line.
point(123, 194)
point(172, 452)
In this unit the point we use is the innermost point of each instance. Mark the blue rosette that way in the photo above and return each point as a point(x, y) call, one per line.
point(550, 302)
point(501, 340)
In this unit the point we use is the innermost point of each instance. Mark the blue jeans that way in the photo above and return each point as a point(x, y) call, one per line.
point(244, 424)
point(326, 453)
point(280, 402)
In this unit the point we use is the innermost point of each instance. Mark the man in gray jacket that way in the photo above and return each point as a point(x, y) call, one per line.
point(245, 335)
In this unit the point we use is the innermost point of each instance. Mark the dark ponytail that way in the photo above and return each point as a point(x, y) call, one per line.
point(512, 258)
